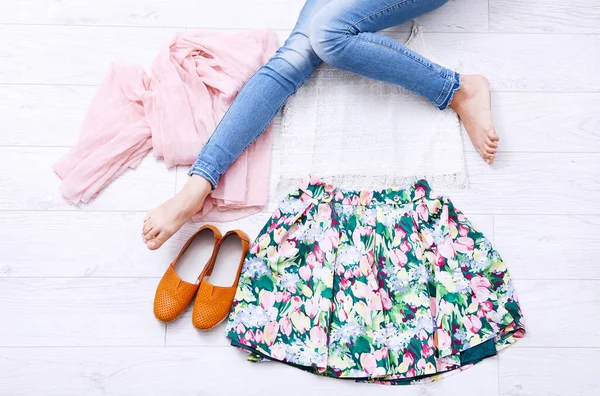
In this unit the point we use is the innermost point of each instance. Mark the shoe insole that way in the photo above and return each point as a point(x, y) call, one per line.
point(191, 264)
point(227, 262)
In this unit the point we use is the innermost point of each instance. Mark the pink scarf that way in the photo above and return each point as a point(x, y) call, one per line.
point(174, 111)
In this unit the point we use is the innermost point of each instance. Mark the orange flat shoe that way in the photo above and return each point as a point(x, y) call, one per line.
point(213, 303)
point(173, 294)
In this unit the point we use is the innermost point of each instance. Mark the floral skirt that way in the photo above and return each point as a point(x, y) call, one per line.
point(393, 286)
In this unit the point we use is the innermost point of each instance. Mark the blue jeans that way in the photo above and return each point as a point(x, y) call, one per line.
point(340, 33)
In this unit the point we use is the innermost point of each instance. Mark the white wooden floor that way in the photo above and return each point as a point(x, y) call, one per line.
point(76, 284)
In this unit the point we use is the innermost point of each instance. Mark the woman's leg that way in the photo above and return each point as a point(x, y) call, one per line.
point(342, 35)
point(248, 116)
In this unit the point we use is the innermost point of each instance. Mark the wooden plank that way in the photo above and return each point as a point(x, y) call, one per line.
point(51, 115)
point(183, 371)
point(544, 16)
point(525, 121)
point(518, 183)
point(522, 62)
point(42, 115)
point(457, 15)
point(549, 247)
point(237, 14)
point(546, 122)
point(559, 313)
point(90, 49)
point(530, 183)
point(73, 55)
point(537, 298)
point(110, 242)
point(78, 312)
point(513, 62)
point(29, 183)
point(549, 371)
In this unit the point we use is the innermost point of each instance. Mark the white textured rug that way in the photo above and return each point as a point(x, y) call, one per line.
point(358, 133)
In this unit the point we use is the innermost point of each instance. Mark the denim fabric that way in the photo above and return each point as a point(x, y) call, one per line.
point(340, 33)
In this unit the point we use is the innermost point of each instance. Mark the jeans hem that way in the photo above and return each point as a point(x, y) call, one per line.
point(206, 171)
point(451, 91)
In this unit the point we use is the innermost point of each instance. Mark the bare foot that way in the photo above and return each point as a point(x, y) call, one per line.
point(165, 220)
point(472, 104)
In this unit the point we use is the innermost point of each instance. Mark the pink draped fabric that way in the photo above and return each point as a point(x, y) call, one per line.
point(173, 111)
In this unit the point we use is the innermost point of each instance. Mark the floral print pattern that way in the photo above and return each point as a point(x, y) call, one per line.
point(392, 286)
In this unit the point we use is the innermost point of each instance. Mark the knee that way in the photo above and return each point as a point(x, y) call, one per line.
point(294, 61)
point(328, 36)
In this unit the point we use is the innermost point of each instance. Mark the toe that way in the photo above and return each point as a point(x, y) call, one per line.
point(153, 233)
point(147, 227)
point(151, 244)
point(493, 137)
point(489, 142)
point(490, 147)
point(482, 153)
point(490, 150)
point(147, 217)
point(487, 154)
point(157, 241)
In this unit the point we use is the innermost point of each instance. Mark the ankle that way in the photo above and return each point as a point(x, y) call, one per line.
point(193, 194)
point(464, 92)
point(198, 185)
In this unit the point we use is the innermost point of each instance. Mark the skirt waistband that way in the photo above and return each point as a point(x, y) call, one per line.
point(324, 192)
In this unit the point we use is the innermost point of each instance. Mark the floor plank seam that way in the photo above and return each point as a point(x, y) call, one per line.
point(87, 210)
point(467, 150)
point(500, 354)
point(26, 84)
point(237, 29)
point(82, 277)
point(159, 277)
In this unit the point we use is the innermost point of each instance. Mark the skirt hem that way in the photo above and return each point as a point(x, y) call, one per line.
point(468, 358)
